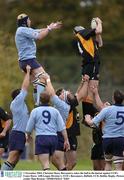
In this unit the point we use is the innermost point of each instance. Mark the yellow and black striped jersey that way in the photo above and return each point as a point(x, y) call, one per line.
point(87, 45)
point(3, 118)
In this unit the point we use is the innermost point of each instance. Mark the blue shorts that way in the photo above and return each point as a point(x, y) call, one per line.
point(113, 146)
point(45, 144)
point(33, 63)
point(60, 145)
point(17, 141)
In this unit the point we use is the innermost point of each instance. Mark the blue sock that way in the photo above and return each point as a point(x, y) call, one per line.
point(40, 89)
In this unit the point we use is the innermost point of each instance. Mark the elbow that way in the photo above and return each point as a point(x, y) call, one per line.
point(39, 38)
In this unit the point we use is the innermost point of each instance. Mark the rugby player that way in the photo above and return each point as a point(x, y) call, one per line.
point(63, 100)
point(5, 123)
point(73, 130)
point(46, 121)
point(88, 42)
point(25, 38)
point(113, 131)
point(20, 116)
point(97, 155)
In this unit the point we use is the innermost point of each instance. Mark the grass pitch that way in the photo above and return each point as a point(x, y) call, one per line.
point(83, 164)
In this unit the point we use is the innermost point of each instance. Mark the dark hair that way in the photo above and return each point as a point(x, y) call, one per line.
point(118, 97)
point(59, 91)
point(45, 97)
point(15, 93)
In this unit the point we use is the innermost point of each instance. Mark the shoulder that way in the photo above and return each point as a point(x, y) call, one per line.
point(107, 109)
point(20, 29)
point(23, 91)
point(35, 110)
point(23, 30)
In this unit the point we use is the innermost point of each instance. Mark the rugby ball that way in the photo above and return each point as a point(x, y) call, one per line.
point(93, 23)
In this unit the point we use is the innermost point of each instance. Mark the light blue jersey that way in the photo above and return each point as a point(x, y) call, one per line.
point(61, 106)
point(114, 121)
point(20, 112)
point(25, 42)
point(46, 120)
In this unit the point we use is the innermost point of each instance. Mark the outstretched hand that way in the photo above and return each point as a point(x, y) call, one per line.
point(28, 68)
point(98, 20)
point(55, 25)
point(46, 77)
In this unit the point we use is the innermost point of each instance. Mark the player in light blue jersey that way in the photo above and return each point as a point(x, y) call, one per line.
point(20, 118)
point(25, 38)
point(46, 121)
point(63, 100)
point(113, 131)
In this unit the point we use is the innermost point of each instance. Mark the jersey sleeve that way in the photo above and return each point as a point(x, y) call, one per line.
point(60, 104)
point(19, 100)
point(3, 115)
point(60, 122)
point(30, 33)
point(87, 33)
point(20, 97)
point(100, 117)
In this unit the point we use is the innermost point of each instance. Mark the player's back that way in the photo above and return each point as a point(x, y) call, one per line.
point(25, 43)
point(19, 111)
point(47, 120)
point(114, 121)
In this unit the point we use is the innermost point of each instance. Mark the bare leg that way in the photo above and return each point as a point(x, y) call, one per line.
point(98, 165)
point(118, 162)
point(118, 166)
point(58, 160)
point(39, 83)
point(71, 159)
point(44, 160)
point(108, 165)
point(11, 161)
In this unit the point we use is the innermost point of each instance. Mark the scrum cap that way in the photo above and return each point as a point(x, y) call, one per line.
point(22, 20)
point(78, 29)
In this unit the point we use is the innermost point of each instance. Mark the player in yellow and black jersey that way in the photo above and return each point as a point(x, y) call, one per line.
point(5, 122)
point(88, 42)
point(97, 155)
point(73, 130)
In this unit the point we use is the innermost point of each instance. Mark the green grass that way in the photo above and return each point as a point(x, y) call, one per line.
point(83, 164)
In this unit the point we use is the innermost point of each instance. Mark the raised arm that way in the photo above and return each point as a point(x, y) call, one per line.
point(99, 26)
point(97, 98)
point(26, 80)
point(99, 40)
point(49, 86)
point(82, 90)
point(44, 32)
